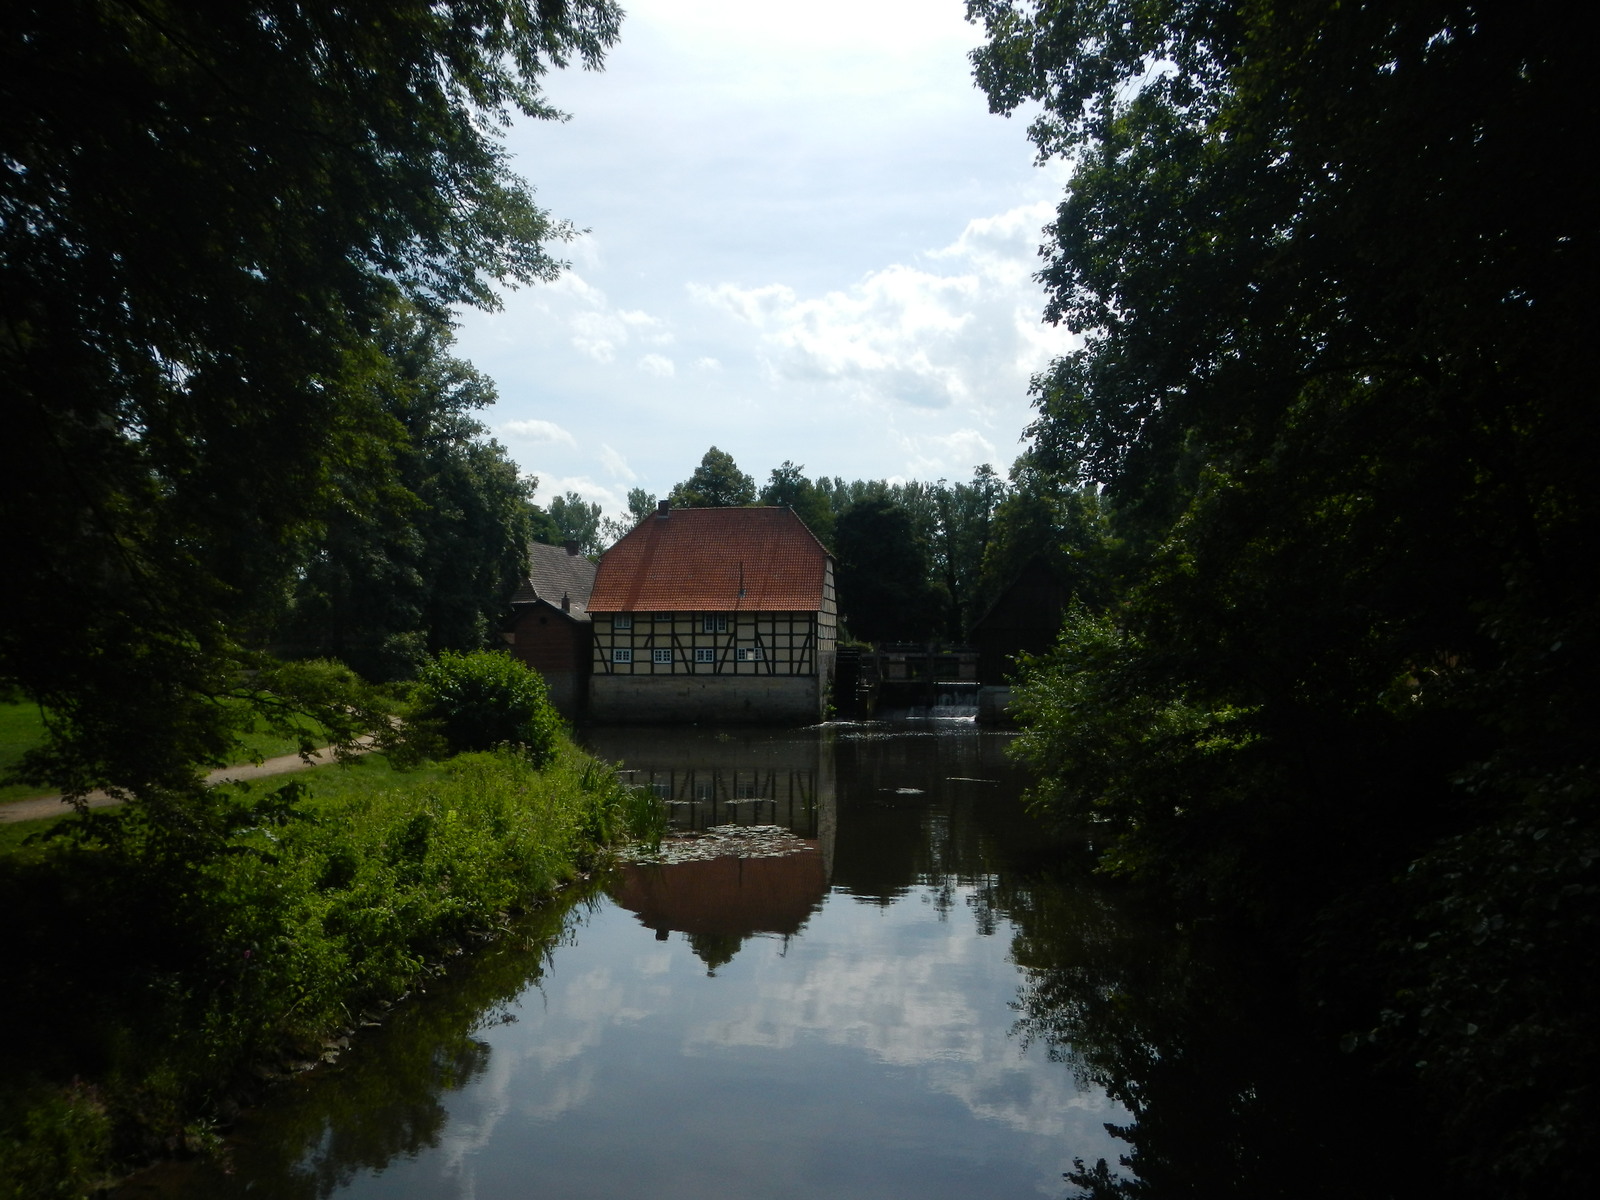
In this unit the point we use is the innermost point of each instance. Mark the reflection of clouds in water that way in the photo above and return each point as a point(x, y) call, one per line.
point(576, 1012)
point(908, 1011)
point(853, 979)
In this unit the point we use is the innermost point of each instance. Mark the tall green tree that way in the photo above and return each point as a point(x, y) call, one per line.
point(419, 554)
point(1330, 265)
point(788, 486)
point(884, 590)
point(578, 520)
point(205, 214)
point(716, 483)
point(641, 504)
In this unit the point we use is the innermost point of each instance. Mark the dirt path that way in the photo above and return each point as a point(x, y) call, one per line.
point(53, 806)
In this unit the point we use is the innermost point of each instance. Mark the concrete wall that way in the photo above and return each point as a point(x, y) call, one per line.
point(684, 699)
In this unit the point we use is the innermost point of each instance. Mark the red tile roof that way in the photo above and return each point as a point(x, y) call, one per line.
point(695, 559)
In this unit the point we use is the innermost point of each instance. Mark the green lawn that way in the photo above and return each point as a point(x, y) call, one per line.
point(22, 728)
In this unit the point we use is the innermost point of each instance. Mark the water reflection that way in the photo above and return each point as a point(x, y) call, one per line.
point(839, 1021)
point(1229, 1090)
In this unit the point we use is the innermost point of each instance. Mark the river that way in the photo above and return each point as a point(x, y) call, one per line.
point(904, 996)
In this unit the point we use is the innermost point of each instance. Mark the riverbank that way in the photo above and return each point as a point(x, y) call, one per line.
point(200, 951)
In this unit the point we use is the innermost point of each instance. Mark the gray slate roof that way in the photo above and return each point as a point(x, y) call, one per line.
point(554, 572)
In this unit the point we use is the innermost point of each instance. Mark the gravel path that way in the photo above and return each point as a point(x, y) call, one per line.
point(54, 806)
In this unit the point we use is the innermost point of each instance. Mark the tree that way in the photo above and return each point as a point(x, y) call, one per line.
point(578, 520)
point(1328, 263)
point(641, 504)
point(1045, 517)
point(716, 483)
point(421, 550)
point(963, 530)
point(884, 593)
point(787, 486)
point(205, 214)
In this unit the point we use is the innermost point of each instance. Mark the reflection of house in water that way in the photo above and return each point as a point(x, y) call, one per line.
point(709, 779)
point(721, 902)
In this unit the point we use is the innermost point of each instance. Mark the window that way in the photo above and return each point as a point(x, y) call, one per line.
point(714, 623)
point(622, 655)
point(661, 616)
point(705, 654)
point(661, 656)
point(748, 654)
point(622, 621)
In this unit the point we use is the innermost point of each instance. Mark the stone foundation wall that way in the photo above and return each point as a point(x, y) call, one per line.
point(705, 699)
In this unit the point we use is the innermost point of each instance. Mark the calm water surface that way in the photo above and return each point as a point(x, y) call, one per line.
point(924, 1001)
point(838, 1022)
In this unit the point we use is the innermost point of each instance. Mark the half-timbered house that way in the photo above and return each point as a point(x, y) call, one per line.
point(713, 614)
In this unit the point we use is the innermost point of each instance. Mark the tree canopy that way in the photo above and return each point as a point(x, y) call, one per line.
point(418, 553)
point(884, 590)
point(1331, 266)
point(716, 483)
point(578, 520)
point(205, 214)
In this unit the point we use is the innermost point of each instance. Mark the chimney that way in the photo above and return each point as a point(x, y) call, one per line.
point(566, 600)
point(663, 507)
point(570, 546)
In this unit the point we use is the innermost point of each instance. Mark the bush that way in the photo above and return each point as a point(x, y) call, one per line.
point(477, 701)
point(195, 947)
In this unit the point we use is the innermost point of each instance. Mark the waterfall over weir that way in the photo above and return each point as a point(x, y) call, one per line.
point(950, 699)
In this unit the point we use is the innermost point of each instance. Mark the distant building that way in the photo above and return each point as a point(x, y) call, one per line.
point(713, 614)
point(549, 629)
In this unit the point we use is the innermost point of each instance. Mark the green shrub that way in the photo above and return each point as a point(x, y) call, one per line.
point(478, 701)
point(208, 940)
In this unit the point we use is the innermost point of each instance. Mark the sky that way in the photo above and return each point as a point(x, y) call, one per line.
point(807, 239)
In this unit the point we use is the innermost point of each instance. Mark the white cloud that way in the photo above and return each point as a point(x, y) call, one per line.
point(658, 365)
point(617, 465)
point(587, 488)
point(597, 329)
point(950, 455)
point(951, 332)
point(538, 431)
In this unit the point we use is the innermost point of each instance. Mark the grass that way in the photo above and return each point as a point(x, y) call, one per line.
point(195, 944)
point(22, 728)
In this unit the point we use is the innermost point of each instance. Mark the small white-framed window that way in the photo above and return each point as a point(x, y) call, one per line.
point(661, 656)
point(714, 623)
point(622, 654)
point(622, 621)
point(748, 654)
point(661, 616)
point(705, 654)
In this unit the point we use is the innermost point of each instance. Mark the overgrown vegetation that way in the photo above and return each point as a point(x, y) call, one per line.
point(220, 337)
point(1330, 270)
point(202, 949)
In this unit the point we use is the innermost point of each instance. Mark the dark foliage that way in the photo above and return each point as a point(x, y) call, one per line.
point(1332, 270)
